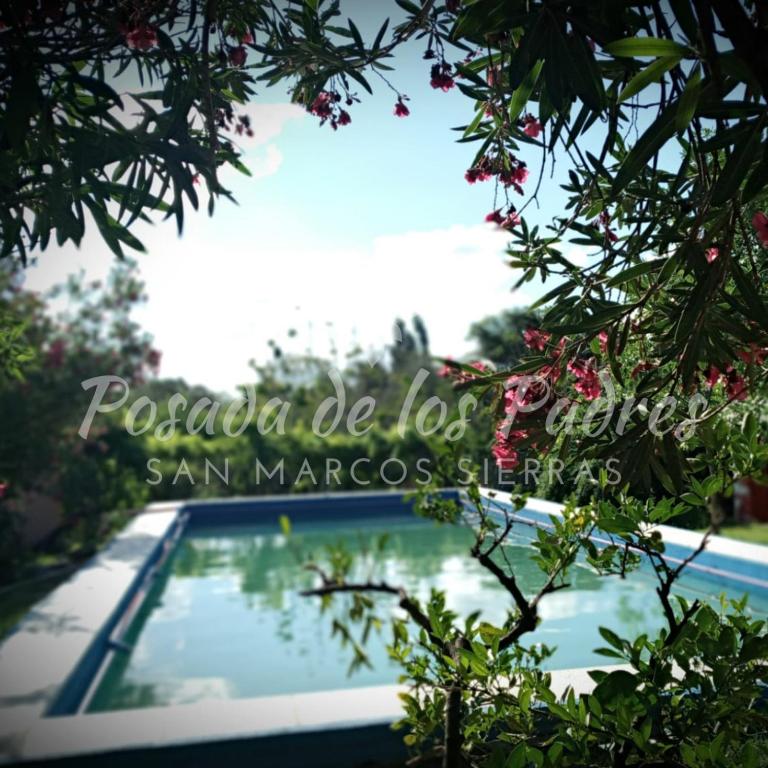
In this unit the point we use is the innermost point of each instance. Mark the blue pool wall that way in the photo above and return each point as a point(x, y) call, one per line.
point(337, 506)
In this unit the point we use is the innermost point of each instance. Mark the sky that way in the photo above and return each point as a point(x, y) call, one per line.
point(334, 235)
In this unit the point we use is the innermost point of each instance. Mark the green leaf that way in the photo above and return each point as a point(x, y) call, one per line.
point(611, 637)
point(646, 46)
point(737, 167)
point(522, 93)
point(689, 99)
point(472, 127)
point(651, 74)
point(655, 136)
point(637, 270)
point(615, 685)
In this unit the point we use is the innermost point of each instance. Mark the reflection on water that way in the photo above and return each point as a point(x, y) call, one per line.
point(224, 620)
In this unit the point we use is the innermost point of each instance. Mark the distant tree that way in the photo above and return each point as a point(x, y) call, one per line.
point(500, 337)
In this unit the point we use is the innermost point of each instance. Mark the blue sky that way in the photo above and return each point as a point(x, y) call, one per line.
point(335, 235)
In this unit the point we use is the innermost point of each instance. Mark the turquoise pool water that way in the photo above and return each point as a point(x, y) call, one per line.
point(225, 620)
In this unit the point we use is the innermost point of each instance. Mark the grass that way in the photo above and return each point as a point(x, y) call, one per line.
point(755, 533)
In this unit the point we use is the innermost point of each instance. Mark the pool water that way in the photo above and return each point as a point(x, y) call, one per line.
point(225, 618)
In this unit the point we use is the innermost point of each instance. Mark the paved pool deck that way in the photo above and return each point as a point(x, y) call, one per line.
point(55, 638)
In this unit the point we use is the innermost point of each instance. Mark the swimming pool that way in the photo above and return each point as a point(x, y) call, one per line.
point(186, 638)
point(224, 618)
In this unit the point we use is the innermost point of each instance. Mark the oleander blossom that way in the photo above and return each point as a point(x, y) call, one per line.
point(238, 56)
point(587, 378)
point(536, 339)
point(735, 385)
point(440, 77)
point(507, 457)
point(322, 105)
point(141, 38)
point(760, 223)
point(401, 110)
point(754, 354)
point(711, 254)
point(531, 126)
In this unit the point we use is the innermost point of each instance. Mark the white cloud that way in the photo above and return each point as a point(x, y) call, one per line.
point(216, 298)
point(269, 120)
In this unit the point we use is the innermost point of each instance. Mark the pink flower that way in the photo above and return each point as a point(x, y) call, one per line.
point(495, 217)
point(735, 386)
point(588, 385)
point(536, 339)
point(506, 456)
point(141, 38)
point(760, 223)
point(711, 254)
point(237, 56)
point(479, 172)
point(753, 354)
point(512, 219)
point(344, 118)
point(602, 338)
point(520, 174)
point(446, 370)
point(712, 376)
point(441, 77)
point(401, 110)
point(587, 379)
point(531, 126)
point(321, 106)
point(247, 39)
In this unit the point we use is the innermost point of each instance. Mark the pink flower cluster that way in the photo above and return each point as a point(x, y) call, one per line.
point(531, 126)
point(760, 223)
point(735, 385)
point(441, 77)
point(603, 222)
point(454, 372)
point(536, 339)
point(587, 378)
point(515, 175)
point(505, 221)
point(524, 395)
point(326, 107)
point(142, 37)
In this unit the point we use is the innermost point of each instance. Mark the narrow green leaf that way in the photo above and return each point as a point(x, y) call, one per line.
point(651, 74)
point(522, 93)
point(737, 167)
point(637, 270)
point(689, 99)
point(647, 46)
